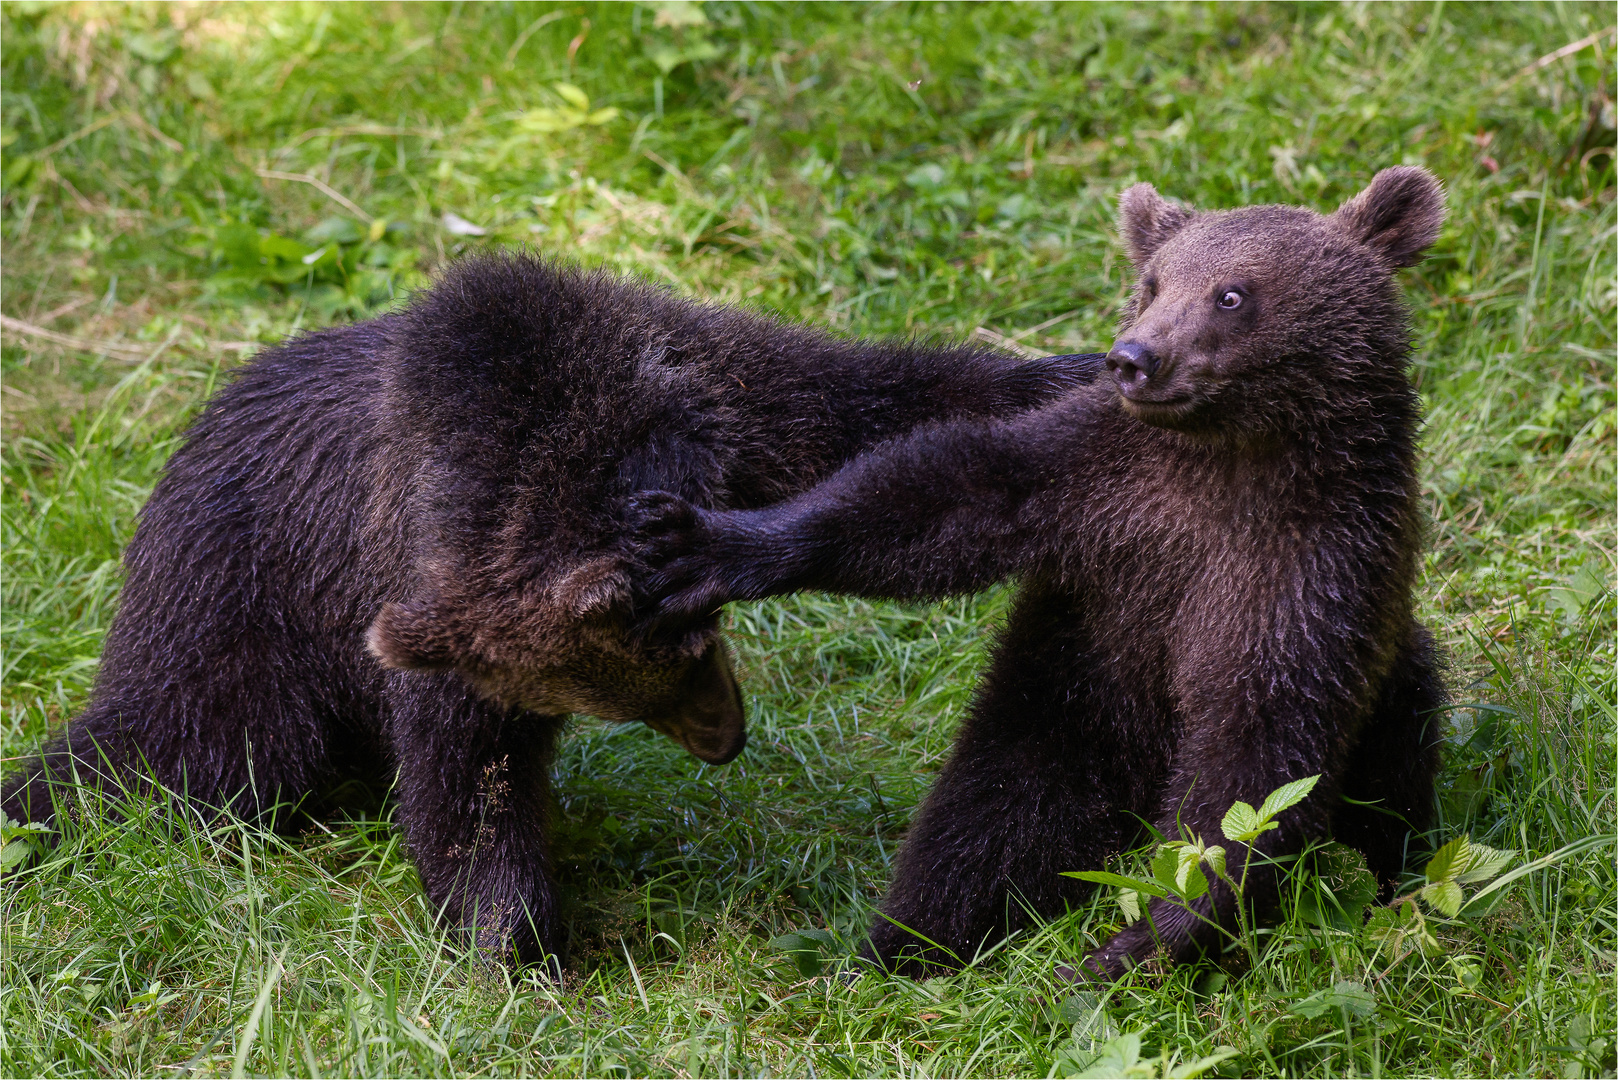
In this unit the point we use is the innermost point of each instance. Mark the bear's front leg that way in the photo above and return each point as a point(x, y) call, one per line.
point(1043, 779)
point(1272, 686)
point(1225, 756)
point(473, 801)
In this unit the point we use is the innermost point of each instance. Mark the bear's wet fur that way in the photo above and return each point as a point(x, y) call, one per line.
point(1217, 549)
point(400, 545)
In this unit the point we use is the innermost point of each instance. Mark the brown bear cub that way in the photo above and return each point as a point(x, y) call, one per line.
point(400, 545)
point(1217, 549)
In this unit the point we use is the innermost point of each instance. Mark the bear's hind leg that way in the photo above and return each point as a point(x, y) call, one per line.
point(94, 751)
point(218, 746)
point(1217, 763)
point(473, 795)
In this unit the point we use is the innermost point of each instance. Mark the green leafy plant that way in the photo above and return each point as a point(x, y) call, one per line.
point(1460, 862)
point(338, 267)
point(1121, 1057)
point(1180, 868)
point(573, 111)
point(1345, 994)
point(19, 841)
point(1403, 927)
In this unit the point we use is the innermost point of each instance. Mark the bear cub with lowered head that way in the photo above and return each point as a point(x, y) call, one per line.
point(1217, 549)
point(399, 547)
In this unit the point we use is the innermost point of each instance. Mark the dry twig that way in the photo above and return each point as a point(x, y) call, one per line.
point(112, 348)
point(319, 185)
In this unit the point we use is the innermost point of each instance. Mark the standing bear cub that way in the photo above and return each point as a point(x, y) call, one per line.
point(401, 545)
point(1217, 549)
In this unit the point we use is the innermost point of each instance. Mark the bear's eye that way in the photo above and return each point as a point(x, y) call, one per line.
point(1231, 300)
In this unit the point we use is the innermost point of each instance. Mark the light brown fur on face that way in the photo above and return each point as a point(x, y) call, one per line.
point(567, 649)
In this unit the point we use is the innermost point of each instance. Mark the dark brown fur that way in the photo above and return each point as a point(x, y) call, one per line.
point(442, 490)
point(1217, 549)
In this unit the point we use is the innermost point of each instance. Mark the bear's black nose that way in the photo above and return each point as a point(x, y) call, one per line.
point(1131, 364)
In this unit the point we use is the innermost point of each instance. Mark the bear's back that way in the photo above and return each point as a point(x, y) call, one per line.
point(259, 511)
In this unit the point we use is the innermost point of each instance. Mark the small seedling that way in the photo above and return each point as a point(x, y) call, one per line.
point(1402, 926)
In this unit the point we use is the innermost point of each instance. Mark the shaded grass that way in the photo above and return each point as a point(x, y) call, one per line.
point(787, 162)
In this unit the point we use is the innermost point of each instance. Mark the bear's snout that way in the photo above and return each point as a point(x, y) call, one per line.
point(709, 719)
point(715, 721)
point(1132, 364)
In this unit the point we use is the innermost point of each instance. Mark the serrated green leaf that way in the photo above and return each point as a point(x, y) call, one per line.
point(16, 830)
point(1189, 880)
point(1578, 847)
point(1484, 863)
point(14, 853)
point(1287, 796)
point(1215, 858)
point(1443, 896)
point(1240, 824)
point(274, 246)
point(1383, 927)
point(545, 120)
point(803, 947)
point(1350, 996)
point(1116, 1057)
point(1129, 904)
point(1447, 863)
point(1196, 1068)
point(1166, 867)
point(681, 13)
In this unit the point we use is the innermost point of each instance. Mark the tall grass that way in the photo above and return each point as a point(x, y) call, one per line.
point(909, 169)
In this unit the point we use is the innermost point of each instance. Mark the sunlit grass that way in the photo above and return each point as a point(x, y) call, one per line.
point(896, 169)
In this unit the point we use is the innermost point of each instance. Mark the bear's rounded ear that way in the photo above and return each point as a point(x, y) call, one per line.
point(1147, 220)
point(592, 588)
point(1398, 216)
point(410, 638)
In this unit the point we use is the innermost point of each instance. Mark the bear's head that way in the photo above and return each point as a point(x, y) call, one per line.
point(1252, 321)
point(568, 645)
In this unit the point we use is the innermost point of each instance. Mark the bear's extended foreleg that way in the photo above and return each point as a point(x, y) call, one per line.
point(948, 509)
point(474, 799)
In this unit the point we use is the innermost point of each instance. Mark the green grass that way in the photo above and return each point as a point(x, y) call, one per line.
point(910, 168)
